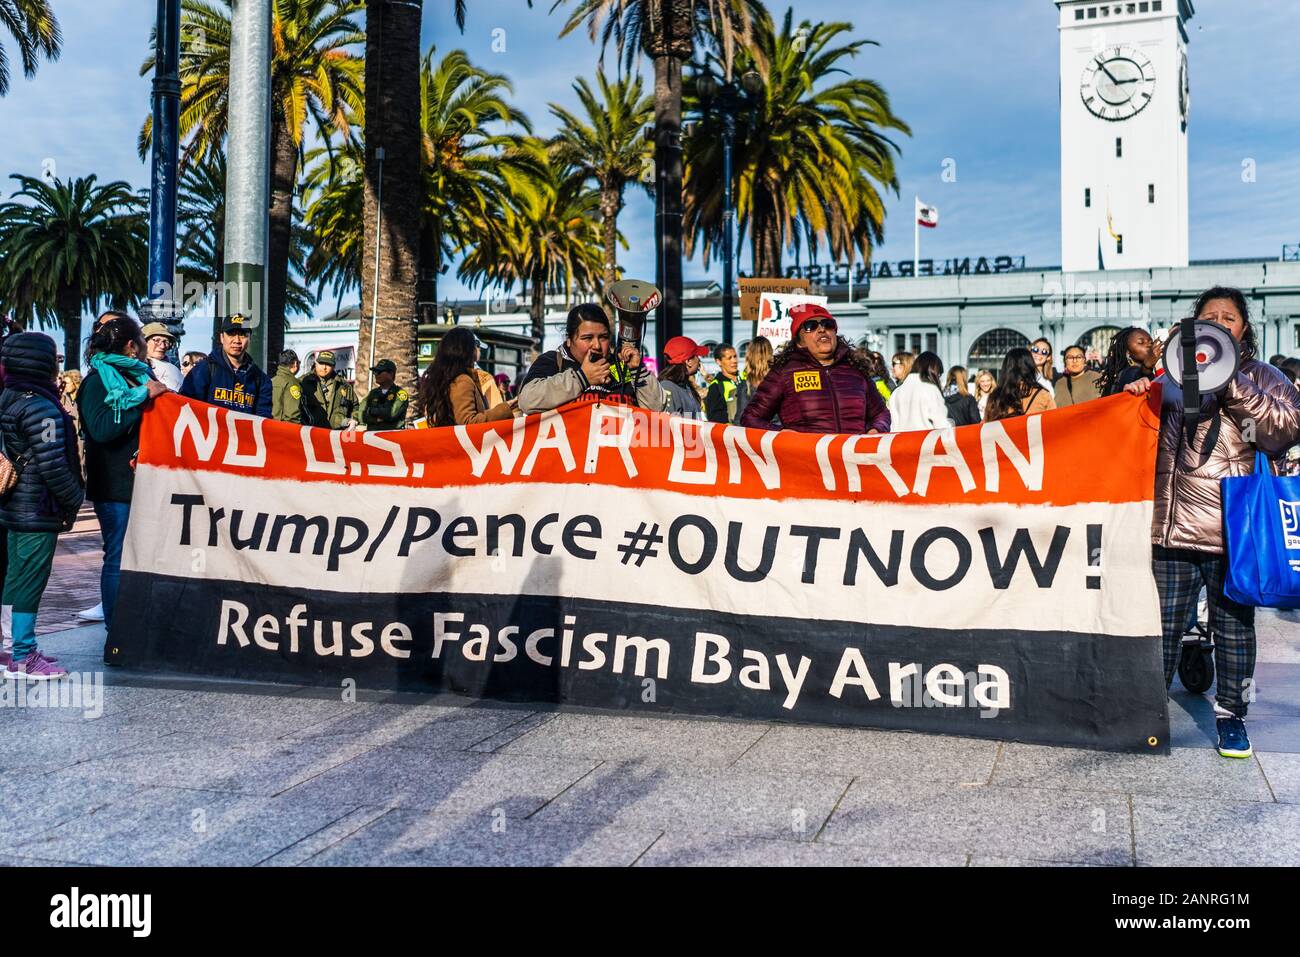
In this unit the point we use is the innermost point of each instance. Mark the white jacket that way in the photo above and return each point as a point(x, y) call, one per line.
point(917, 405)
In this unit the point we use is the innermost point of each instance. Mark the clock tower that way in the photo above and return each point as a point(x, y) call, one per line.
point(1124, 101)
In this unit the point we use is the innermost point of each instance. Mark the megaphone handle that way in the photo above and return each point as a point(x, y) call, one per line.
point(1191, 377)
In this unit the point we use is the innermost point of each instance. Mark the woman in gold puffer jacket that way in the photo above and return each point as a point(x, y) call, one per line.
point(1258, 410)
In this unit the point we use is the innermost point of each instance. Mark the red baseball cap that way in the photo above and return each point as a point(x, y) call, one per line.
point(807, 310)
point(680, 349)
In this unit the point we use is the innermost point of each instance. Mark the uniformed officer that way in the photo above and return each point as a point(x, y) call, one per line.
point(328, 400)
point(286, 393)
point(384, 407)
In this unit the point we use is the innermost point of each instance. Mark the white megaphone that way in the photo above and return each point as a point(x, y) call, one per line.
point(1206, 347)
point(1200, 357)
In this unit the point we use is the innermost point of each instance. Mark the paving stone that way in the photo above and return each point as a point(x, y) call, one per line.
point(1278, 688)
point(410, 838)
point(1283, 773)
point(1280, 733)
point(1184, 772)
point(986, 860)
point(1171, 833)
point(266, 714)
point(311, 845)
point(695, 850)
point(41, 745)
point(713, 801)
point(452, 782)
point(664, 739)
point(502, 738)
point(426, 727)
point(51, 799)
point(89, 700)
point(167, 826)
point(199, 761)
point(1050, 825)
point(878, 755)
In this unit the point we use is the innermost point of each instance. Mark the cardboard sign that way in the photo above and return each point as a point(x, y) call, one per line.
point(774, 315)
point(751, 290)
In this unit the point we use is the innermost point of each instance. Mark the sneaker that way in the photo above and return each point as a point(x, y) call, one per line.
point(92, 614)
point(35, 667)
point(1233, 742)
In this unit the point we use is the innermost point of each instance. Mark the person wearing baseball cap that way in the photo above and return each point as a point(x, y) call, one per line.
point(229, 377)
point(682, 361)
point(818, 382)
point(384, 407)
point(328, 400)
point(158, 341)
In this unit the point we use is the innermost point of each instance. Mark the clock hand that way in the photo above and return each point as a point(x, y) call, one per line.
point(1106, 71)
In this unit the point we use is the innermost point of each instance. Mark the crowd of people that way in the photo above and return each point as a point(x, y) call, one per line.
point(74, 437)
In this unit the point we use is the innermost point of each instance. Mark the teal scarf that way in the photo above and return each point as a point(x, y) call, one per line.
point(120, 392)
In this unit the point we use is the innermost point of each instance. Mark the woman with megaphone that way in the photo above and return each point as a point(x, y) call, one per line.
point(585, 363)
point(1255, 409)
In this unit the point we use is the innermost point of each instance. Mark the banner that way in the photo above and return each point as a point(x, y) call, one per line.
point(752, 289)
point(774, 315)
point(992, 580)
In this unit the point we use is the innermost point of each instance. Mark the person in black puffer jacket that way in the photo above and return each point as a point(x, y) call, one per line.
point(39, 438)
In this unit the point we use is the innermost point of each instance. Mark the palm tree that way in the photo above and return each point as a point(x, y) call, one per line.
point(668, 32)
point(316, 75)
point(547, 237)
point(607, 145)
point(34, 28)
point(394, 186)
point(334, 199)
point(465, 156)
point(71, 247)
point(808, 161)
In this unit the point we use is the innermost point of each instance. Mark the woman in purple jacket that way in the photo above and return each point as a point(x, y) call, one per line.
point(817, 383)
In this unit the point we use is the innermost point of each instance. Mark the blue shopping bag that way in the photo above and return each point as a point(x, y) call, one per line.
point(1261, 520)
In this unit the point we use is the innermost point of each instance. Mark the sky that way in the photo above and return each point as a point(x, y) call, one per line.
point(976, 82)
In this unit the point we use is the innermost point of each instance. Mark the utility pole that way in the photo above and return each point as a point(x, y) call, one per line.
point(163, 302)
point(248, 170)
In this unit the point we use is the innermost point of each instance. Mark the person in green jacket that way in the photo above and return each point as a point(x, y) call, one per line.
point(286, 391)
point(328, 400)
point(384, 407)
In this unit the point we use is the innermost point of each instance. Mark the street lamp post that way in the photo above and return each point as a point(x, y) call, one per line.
point(729, 99)
point(163, 300)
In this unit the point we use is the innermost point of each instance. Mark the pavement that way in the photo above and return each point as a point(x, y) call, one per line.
point(181, 771)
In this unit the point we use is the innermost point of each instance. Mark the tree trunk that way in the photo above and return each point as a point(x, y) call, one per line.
point(392, 124)
point(537, 307)
point(765, 236)
point(284, 176)
point(610, 203)
point(67, 304)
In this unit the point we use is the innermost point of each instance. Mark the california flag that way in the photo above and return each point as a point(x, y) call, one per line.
point(927, 216)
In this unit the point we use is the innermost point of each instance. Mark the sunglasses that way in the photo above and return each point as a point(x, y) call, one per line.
point(1041, 352)
point(812, 325)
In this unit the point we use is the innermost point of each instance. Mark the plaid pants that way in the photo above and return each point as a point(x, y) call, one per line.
point(1179, 575)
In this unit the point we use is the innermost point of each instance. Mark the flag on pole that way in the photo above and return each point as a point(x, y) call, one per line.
point(927, 216)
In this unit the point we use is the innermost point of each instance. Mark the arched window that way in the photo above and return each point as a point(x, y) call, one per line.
point(1097, 342)
point(988, 351)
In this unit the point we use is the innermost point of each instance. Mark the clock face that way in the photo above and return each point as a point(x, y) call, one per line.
point(1117, 83)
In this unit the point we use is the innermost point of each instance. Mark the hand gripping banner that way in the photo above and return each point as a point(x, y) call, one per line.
point(992, 580)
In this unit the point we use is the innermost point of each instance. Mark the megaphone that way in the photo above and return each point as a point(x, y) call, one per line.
point(632, 299)
point(1213, 353)
point(1201, 357)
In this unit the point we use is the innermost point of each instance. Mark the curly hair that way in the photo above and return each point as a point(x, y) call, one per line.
point(1017, 382)
point(854, 357)
point(1117, 359)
